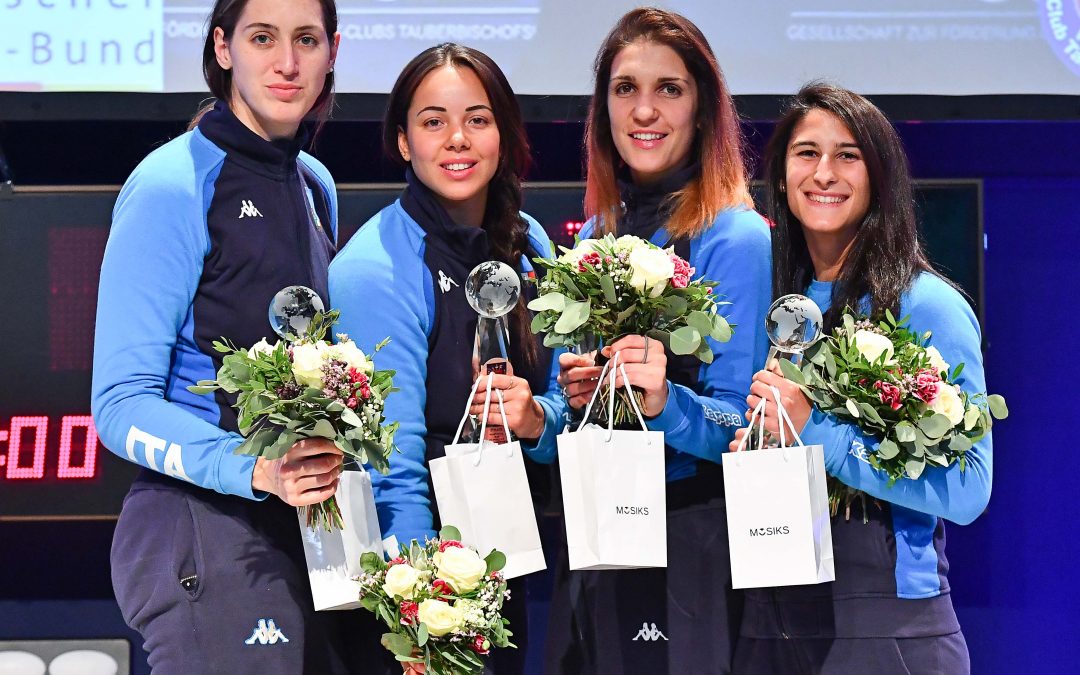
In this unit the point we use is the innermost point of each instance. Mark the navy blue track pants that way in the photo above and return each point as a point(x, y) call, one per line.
point(218, 584)
point(679, 619)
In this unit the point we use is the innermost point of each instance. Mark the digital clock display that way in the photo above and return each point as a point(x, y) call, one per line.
point(52, 464)
point(28, 442)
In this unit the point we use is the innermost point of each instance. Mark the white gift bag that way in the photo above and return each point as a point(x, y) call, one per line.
point(483, 491)
point(333, 558)
point(614, 490)
point(778, 511)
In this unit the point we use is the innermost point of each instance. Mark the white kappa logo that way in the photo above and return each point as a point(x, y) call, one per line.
point(649, 633)
point(445, 282)
point(247, 208)
point(266, 633)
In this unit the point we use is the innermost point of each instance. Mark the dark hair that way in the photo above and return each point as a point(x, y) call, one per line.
point(507, 231)
point(225, 15)
point(718, 142)
point(886, 255)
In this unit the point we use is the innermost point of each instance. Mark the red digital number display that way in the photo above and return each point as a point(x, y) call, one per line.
point(27, 438)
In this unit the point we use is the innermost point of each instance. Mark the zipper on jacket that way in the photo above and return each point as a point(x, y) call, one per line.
point(305, 247)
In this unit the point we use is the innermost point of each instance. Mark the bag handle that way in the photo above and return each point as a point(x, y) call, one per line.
point(785, 417)
point(612, 369)
point(781, 413)
point(487, 408)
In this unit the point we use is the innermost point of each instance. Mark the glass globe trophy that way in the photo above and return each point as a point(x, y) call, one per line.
point(792, 323)
point(492, 289)
point(292, 310)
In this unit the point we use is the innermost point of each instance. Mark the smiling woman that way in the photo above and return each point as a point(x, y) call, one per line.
point(452, 142)
point(839, 191)
point(652, 102)
point(828, 188)
point(453, 124)
point(665, 164)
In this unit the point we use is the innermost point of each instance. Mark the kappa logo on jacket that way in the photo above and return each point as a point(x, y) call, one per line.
point(247, 208)
point(445, 282)
point(266, 633)
point(649, 633)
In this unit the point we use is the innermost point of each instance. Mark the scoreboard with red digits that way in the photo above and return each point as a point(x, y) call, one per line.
point(52, 464)
point(27, 439)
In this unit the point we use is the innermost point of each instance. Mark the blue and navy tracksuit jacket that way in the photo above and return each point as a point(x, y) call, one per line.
point(402, 277)
point(205, 231)
point(891, 573)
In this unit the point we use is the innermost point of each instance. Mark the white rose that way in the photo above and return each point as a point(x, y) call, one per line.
point(261, 347)
point(872, 345)
point(651, 268)
point(307, 364)
point(949, 403)
point(936, 362)
point(441, 618)
point(401, 580)
point(348, 352)
point(583, 248)
point(462, 568)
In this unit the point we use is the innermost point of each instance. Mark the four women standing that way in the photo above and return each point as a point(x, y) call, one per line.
point(664, 164)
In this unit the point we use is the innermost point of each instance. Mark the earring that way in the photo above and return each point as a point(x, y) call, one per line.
point(783, 187)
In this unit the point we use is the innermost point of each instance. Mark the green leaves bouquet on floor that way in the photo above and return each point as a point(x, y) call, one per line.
point(441, 601)
point(611, 287)
point(306, 387)
point(891, 383)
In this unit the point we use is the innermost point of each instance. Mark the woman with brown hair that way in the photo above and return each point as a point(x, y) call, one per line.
point(665, 164)
point(207, 561)
point(453, 124)
point(840, 192)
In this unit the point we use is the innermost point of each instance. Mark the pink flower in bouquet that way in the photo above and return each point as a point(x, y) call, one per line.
point(480, 645)
point(592, 259)
point(441, 587)
point(352, 403)
point(889, 394)
point(396, 561)
point(449, 543)
point(927, 384)
point(683, 272)
point(408, 612)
